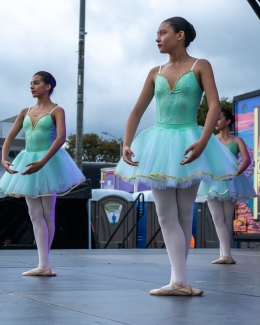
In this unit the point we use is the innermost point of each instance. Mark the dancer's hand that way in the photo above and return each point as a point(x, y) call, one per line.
point(34, 167)
point(197, 149)
point(127, 156)
point(7, 165)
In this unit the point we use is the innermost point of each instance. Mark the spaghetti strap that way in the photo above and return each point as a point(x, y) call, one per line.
point(160, 69)
point(28, 110)
point(53, 109)
point(194, 65)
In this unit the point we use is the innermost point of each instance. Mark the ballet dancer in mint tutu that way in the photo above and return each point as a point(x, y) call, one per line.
point(43, 170)
point(221, 197)
point(175, 154)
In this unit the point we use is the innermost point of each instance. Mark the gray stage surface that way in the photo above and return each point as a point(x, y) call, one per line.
point(112, 287)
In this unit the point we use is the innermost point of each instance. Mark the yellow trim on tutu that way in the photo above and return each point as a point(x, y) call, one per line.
point(154, 177)
point(18, 195)
point(228, 190)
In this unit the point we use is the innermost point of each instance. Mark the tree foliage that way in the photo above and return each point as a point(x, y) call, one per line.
point(225, 103)
point(95, 149)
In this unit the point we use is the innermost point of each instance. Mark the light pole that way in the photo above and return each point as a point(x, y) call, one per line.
point(80, 92)
point(119, 140)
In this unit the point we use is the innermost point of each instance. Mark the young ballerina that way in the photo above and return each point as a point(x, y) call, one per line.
point(221, 196)
point(178, 86)
point(43, 170)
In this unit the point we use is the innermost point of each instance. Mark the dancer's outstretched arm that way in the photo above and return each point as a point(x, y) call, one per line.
point(246, 158)
point(16, 128)
point(203, 68)
point(132, 123)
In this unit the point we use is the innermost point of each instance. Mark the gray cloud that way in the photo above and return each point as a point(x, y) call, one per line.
point(120, 51)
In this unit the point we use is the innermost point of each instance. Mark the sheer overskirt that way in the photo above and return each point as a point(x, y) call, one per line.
point(159, 152)
point(237, 189)
point(57, 177)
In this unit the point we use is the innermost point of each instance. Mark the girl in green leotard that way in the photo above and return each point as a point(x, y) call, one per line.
point(175, 154)
point(222, 196)
point(43, 170)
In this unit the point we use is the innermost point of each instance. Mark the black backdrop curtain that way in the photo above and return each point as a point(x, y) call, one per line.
point(71, 221)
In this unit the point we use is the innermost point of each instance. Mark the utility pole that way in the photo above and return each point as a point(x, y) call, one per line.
point(80, 91)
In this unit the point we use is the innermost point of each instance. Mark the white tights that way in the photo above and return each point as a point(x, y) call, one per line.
point(222, 215)
point(174, 207)
point(42, 214)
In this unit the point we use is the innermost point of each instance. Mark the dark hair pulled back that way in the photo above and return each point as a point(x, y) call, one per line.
point(229, 116)
point(48, 79)
point(178, 24)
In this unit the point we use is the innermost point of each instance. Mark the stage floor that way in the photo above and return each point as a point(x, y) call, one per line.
point(112, 287)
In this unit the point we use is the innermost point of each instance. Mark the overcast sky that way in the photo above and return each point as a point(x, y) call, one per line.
point(120, 51)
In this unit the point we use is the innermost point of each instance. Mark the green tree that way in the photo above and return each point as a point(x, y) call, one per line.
point(225, 103)
point(110, 151)
point(94, 148)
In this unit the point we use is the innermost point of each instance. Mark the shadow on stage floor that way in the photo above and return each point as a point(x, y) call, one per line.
point(112, 287)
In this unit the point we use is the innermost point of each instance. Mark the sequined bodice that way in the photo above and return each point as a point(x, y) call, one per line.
point(232, 146)
point(180, 104)
point(40, 136)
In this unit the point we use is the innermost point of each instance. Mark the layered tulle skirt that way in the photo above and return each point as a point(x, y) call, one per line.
point(237, 189)
point(159, 152)
point(57, 177)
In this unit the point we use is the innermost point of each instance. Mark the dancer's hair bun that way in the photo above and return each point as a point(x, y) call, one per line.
point(178, 24)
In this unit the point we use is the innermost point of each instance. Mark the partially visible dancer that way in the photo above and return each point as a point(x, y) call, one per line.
point(161, 151)
point(222, 196)
point(43, 170)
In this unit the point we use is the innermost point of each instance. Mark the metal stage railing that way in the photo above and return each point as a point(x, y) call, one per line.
point(138, 205)
point(153, 237)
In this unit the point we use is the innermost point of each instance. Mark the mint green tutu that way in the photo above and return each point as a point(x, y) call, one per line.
point(159, 149)
point(57, 177)
point(237, 189)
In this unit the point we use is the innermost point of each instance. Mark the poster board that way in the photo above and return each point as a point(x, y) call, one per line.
point(257, 161)
point(246, 110)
